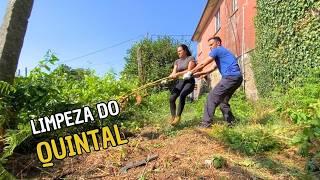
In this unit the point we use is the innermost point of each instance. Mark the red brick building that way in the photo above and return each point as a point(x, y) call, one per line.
point(233, 21)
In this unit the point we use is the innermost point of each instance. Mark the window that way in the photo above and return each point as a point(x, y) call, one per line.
point(234, 5)
point(218, 21)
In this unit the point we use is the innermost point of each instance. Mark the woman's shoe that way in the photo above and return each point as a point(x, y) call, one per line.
point(170, 120)
point(176, 120)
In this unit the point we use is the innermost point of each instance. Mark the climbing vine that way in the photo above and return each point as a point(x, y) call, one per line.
point(287, 42)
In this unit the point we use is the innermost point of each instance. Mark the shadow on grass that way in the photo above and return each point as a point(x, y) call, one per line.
point(241, 173)
point(27, 166)
point(275, 167)
point(247, 146)
point(150, 135)
point(184, 124)
point(227, 172)
point(265, 119)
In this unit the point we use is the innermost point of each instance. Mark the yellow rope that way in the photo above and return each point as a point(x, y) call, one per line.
point(145, 86)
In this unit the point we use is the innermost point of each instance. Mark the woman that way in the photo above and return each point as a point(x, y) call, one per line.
point(182, 87)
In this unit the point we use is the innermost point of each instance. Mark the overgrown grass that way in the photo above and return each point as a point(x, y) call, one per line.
point(248, 139)
point(258, 127)
point(263, 127)
point(281, 121)
point(155, 111)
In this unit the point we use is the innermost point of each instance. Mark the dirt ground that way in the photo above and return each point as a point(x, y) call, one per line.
point(179, 157)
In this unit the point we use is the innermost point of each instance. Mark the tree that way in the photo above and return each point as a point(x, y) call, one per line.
point(156, 56)
point(12, 34)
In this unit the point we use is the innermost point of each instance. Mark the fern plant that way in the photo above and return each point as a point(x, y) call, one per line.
point(6, 88)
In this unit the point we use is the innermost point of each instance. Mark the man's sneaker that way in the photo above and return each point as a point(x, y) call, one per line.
point(231, 123)
point(204, 125)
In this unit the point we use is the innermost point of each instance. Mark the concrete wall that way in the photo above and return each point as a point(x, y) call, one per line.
point(249, 81)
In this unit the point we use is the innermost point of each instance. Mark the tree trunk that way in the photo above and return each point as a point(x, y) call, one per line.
point(12, 33)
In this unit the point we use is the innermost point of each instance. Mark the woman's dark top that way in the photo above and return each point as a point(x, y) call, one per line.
point(182, 64)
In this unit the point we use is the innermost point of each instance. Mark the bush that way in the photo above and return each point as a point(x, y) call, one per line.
point(250, 141)
point(45, 92)
point(301, 105)
point(157, 57)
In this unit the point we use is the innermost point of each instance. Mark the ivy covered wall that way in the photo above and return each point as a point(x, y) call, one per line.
point(287, 42)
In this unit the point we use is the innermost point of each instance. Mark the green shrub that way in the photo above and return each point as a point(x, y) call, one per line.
point(157, 57)
point(249, 140)
point(5, 107)
point(241, 107)
point(45, 92)
point(218, 162)
point(6, 89)
point(301, 105)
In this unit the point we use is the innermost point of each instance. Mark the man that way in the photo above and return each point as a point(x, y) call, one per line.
point(231, 80)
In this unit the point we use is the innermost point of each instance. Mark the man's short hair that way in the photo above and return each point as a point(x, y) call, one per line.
point(216, 38)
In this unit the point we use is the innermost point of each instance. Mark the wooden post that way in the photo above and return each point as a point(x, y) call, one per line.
point(12, 33)
point(140, 66)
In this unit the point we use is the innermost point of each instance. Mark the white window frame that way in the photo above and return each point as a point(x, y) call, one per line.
point(218, 20)
point(234, 5)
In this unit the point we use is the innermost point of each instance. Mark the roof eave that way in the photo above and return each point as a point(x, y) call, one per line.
point(206, 14)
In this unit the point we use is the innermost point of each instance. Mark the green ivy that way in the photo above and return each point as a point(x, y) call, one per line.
point(287, 42)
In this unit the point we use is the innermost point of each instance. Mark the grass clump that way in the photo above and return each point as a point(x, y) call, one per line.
point(249, 140)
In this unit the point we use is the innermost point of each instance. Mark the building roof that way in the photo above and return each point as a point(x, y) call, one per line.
point(206, 14)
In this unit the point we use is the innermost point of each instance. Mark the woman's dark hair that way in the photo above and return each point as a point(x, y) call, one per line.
point(185, 48)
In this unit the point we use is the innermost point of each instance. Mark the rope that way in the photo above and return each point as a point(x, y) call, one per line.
point(145, 86)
